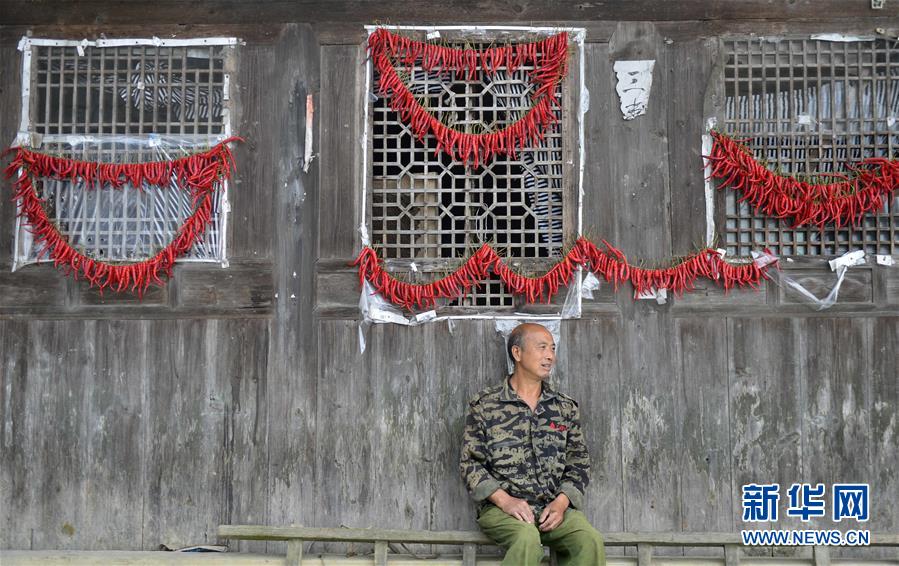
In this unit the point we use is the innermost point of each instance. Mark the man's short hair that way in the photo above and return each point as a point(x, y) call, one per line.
point(516, 338)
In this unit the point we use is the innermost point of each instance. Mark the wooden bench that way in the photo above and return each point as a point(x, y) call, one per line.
point(469, 541)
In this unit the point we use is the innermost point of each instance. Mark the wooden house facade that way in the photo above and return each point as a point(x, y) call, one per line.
point(239, 394)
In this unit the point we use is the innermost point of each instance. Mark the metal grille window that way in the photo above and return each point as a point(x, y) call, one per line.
point(425, 207)
point(124, 101)
point(809, 106)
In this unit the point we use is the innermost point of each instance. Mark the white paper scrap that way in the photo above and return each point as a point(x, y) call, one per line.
point(634, 84)
point(658, 295)
point(848, 259)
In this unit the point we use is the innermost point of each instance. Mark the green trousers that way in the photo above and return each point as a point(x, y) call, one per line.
point(575, 541)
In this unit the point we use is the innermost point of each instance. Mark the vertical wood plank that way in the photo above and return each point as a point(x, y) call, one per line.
point(256, 116)
point(461, 369)
point(688, 65)
point(293, 343)
point(639, 157)
point(17, 437)
point(399, 425)
point(11, 110)
point(835, 446)
point(703, 462)
point(641, 188)
point(599, 200)
point(344, 437)
point(242, 363)
point(184, 420)
point(61, 355)
point(588, 370)
point(884, 478)
point(340, 148)
point(114, 435)
point(764, 385)
point(649, 422)
point(467, 360)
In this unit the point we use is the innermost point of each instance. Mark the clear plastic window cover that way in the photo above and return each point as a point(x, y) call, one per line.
point(797, 291)
point(130, 223)
point(375, 309)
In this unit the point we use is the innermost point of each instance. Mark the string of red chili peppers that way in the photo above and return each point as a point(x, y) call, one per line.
point(844, 201)
point(610, 263)
point(197, 173)
point(549, 57)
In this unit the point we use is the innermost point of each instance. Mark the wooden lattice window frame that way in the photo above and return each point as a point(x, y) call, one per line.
point(125, 100)
point(809, 125)
point(443, 186)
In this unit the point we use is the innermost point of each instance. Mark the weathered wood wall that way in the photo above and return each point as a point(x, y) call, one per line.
point(240, 396)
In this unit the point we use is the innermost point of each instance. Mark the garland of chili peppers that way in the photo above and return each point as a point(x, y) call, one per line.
point(846, 200)
point(197, 173)
point(549, 56)
point(609, 263)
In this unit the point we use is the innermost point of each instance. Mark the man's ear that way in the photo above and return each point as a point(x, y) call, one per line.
point(516, 353)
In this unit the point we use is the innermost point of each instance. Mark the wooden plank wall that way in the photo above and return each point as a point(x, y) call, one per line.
point(240, 395)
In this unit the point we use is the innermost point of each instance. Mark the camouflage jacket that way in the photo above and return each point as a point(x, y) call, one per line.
point(532, 455)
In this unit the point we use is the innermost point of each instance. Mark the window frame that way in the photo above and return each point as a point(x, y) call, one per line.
point(26, 136)
point(575, 106)
point(715, 104)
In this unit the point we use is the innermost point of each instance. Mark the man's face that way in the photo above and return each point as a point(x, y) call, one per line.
point(538, 353)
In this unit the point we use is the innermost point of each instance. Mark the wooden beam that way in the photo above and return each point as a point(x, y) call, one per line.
point(732, 554)
point(644, 554)
point(469, 554)
point(822, 555)
point(118, 12)
point(294, 553)
point(381, 553)
point(466, 538)
point(260, 532)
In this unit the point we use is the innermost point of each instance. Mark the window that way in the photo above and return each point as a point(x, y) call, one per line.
point(426, 208)
point(124, 101)
point(811, 106)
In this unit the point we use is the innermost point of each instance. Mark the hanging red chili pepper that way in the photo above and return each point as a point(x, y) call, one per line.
point(468, 147)
point(136, 276)
point(845, 201)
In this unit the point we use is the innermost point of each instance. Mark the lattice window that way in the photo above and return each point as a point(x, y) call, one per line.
point(425, 207)
point(809, 106)
point(125, 101)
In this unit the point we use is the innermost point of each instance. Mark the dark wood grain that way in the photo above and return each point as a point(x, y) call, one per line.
point(408, 11)
point(340, 150)
point(293, 342)
point(884, 343)
point(16, 431)
point(589, 371)
point(184, 416)
point(836, 403)
point(243, 367)
point(688, 65)
point(239, 395)
point(10, 113)
point(766, 409)
point(704, 434)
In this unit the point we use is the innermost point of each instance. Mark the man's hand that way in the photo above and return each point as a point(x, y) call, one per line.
point(554, 513)
point(513, 506)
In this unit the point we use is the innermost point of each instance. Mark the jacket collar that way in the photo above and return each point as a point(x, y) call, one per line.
point(509, 394)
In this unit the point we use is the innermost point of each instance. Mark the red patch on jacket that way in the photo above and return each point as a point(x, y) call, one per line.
point(559, 427)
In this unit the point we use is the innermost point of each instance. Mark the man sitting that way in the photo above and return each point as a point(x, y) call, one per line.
point(524, 460)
